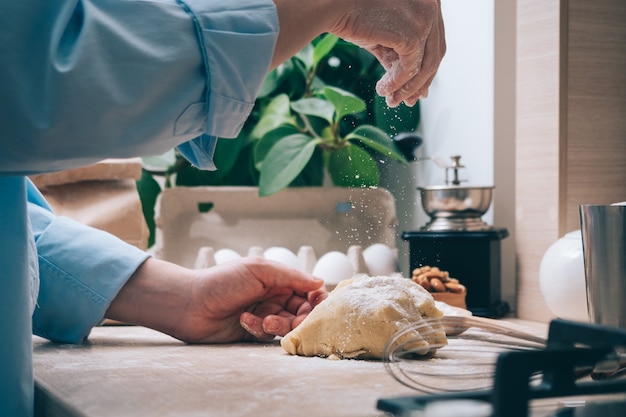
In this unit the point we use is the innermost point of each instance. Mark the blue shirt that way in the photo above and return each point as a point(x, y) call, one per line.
point(81, 81)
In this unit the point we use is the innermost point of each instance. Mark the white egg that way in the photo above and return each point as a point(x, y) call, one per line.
point(205, 258)
point(282, 255)
point(333, 267)
point(255, 251)
point(225, 255)
point(380, 259)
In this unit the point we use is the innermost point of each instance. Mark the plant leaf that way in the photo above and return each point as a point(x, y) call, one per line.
point(271, 82)
point(268, 141)
point(267, 124)
point(148, 189)
point(244, 172)
point(317, 84)
point(313, 173)
point(344, 102)
point(227, 151)
point(276, 113)
point(352, 166)
point(314, 106)
point(376, 139)
point(306, 56)
point(289, 77)
point(278, 105)
point(277, 77)
point(323, 47)
point(284, 162)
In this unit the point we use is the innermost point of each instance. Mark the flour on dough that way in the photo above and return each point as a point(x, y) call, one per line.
point(362, 314)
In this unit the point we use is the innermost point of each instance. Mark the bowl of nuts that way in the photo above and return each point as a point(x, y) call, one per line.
point(442, 287)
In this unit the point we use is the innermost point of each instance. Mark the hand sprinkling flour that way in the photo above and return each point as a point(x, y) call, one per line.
point(406, 36)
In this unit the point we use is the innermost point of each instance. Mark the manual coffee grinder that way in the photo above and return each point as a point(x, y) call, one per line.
point(457, 240)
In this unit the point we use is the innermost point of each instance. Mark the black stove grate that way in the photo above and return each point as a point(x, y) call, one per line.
point(571, 348)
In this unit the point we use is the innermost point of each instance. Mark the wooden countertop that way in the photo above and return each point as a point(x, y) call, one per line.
point(128, 371)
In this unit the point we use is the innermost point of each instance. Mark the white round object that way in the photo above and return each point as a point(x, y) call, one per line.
point(333, 267)
point(282, 255)
point(225, 255)
point(380, 260)
point(562, 278)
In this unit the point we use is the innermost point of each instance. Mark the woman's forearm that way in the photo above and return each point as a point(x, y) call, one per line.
point(155, 296)
point(302, 21)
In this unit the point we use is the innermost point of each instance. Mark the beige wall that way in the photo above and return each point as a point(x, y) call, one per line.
point(595, 136)
point(504, 74)
point(570, 125)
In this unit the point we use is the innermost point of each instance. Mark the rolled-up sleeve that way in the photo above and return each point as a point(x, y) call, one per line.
point(85, 80)
point(239, 43)
point(81, 270)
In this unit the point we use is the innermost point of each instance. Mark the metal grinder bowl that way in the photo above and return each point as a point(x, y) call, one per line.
point(453, 207)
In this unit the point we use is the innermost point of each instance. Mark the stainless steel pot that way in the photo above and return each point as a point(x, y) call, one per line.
point(454, 207)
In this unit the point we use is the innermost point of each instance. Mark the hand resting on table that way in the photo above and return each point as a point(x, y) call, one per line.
point(252, 299)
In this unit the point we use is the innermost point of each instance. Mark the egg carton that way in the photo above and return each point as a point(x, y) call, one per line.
point(194, 223)
point(333, 267)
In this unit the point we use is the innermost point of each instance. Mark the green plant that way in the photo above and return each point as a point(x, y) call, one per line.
point(291, 130)
point(316, 116)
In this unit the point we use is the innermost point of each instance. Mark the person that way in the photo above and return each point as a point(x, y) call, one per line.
point(84, 80)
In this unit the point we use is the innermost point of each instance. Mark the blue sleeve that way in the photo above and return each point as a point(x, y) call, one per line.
point(81, 270)
point(125, 78)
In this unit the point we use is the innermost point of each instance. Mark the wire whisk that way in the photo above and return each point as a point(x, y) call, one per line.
point(463, 362)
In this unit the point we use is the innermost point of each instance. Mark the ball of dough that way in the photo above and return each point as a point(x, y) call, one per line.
point(362, 314)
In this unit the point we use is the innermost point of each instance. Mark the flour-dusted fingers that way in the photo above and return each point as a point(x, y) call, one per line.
point(423, 93)
point(267, 328)
point(415, 69)
point(406, 36)
point(254, 326)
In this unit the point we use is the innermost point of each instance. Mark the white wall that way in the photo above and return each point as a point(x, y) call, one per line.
point(457, 118)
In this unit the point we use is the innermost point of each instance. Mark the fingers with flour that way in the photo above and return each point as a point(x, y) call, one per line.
point(411, 73)
point(406, 36)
